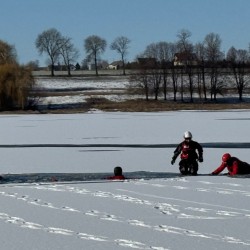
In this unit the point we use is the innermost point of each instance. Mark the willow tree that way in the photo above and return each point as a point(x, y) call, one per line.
point(16, 81)
point(7, 53)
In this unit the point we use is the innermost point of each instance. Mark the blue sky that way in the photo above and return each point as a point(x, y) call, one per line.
point(142, 21)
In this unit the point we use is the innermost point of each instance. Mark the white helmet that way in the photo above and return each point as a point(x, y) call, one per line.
point(187, 134)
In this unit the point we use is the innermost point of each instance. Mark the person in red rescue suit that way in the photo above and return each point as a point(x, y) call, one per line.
point(233, 165)
point(117, 174)
point(190, 151)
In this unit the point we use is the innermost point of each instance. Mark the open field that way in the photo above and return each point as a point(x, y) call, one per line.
point(113, 93)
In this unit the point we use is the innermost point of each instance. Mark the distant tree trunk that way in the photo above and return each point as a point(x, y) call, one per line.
point(191, 82)
point(165, 86)
point(96, 67)
point(123, 66)
point(239, 76)
point(204, 81)
point(69, 70)
point(52, 69)
point(199, 84)
point(145, 82)
point(182, 85)
point(164, 76)
point(216, 83)
point(174, 77)
point(156, 77)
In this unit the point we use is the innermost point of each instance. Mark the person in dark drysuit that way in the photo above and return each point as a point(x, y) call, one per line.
point(190, 152)
point(233, 165)
point(117, 174)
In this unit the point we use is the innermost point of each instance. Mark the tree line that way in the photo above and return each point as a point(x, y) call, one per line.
point(203, 68)
point(56, 46)
point(168, 68)
point(200, 68)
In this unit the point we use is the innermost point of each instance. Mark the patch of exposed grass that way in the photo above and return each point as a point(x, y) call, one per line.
point(152, 106)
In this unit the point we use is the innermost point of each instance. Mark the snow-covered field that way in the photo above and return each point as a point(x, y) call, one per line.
point(159, 211)
point(82, 82)
point(77, 90)
point(83, 88)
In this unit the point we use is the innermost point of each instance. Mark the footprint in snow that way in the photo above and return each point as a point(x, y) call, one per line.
point(62, 231)
point(85, 236)
point(138, 223)
point(103, 216)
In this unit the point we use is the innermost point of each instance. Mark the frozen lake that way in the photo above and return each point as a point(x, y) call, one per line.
point(156, 209)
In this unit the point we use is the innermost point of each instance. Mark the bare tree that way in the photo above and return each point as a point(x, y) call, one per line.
point(199, 49)
point(185, 47)
point(173, 70)
point(183, 43)
point(161, 52)
point(50, 42)
point(238, 60)
point(69, 53)
point(155, 82)
point(212, 44)
point(149, 76)
point(94, 47)
point(121, 45)
point(164, 51)
point(231, 56)
point(7, 53)
point(165, 61)
point(152, 51)
point(141, 81)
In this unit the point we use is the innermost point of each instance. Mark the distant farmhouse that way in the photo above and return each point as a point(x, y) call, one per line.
point(115, 65)
point(185, 58)
point(100, 65)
